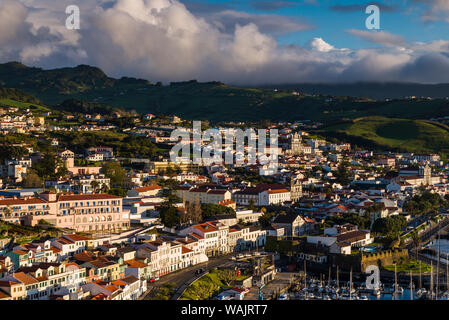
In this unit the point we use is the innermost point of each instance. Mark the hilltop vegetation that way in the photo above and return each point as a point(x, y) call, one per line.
point(374, 90)
point(396, 125)
point(392, 134)
point(213, 101)
point(10, 95)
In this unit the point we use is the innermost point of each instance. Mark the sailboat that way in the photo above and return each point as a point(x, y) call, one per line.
point(438, 266)
point(431, 293)
point(421, 291)
point(396, 289)
point(338, 282)
point(305, 280)
point(445, 295)
point(350, 284)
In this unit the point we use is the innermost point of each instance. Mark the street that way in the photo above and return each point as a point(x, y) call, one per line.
point(182, 276)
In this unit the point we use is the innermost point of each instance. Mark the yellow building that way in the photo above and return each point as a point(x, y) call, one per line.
point(162, 166)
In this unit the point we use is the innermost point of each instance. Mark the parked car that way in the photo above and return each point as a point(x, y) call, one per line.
point(199, 271)
point(283, 296)
point(154, 279)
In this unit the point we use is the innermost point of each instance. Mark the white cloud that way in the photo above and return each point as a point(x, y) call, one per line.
point(379, 37)
point(320, 45)
point(435, 10)
point(163, 40)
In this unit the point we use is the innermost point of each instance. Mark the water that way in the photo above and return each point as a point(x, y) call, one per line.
point(444, 246)
point(387, 296)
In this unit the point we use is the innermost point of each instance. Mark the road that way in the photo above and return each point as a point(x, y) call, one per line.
point(182, 276)
point(431, 232)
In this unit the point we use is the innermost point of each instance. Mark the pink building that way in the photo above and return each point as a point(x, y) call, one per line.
point(389, 162)
point(81, 212)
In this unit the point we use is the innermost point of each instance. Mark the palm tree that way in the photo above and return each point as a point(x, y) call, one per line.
point(8, 212)
point(95, 186)
point(104, 188)
point(416, 242)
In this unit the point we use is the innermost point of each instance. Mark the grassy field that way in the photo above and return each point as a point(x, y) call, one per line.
point(411, 265)
point(23, 105)
point(393, 134)
point(211, 281)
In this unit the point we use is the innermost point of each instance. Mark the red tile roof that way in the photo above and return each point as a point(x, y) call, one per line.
point(77, 197)
point(11, 202)
point(186, 250)
point(133, 263)
point(148, 188)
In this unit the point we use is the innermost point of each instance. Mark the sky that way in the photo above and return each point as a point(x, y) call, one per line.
point(242, 42)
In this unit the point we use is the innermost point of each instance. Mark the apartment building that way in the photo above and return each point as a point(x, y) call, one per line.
point(106, 152)
point(203, 194)
point(147, 191)
point(128, 288)
point(94, 212)
point(42, 280)
point(82, 213)
point(262, 195)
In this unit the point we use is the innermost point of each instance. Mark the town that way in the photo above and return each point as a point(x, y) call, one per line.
point(92, 208)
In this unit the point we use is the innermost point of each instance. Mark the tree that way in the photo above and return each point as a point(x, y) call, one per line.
point(265, 219)
point(12, 152)
point(374, 208)
point(32, 180)
point(104, 188)
point(363, 222)
point(192, 213)
point(8, 212)
point(342, 174)
point(228, 276)
point(212, 209)
point(416, 242)
point(120, 192)
point(168, 214)
point(196, 213)
point(389, 226)
point(202, 291)
point(50, 167)
point(251, 205)
point(115, 172)
point(95, 186)
point(424, 203)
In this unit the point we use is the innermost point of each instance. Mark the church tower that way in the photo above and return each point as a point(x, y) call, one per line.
point(295, 189)
point(426, 173)
point(295, 144)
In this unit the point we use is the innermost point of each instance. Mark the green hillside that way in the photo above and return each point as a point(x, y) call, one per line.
point(392, 134)
point(213, 101)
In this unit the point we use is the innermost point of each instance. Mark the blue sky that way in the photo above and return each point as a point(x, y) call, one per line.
point(246, 42)
point(330, 18)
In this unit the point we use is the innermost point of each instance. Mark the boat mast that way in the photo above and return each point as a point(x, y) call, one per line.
point(411, 286)
point(420, 285)
point(329, 278)
point(447, 272)
point(438, 265)
point(305, 277)
point(431, 279)
point(350, 284)
point(338, 282)
point(395, 282)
